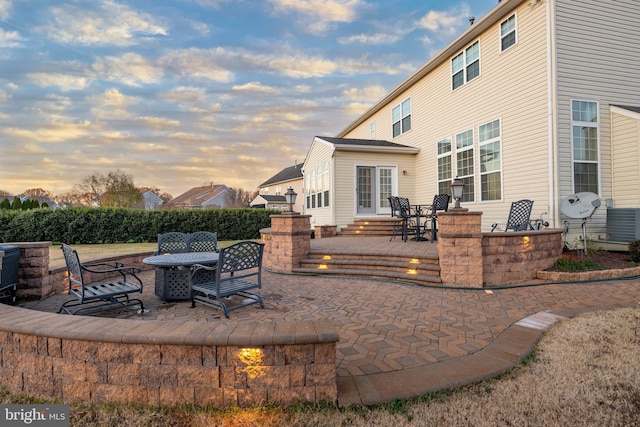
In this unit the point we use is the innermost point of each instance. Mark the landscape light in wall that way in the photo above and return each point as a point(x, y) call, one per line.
point(290, 197)
point(456, 191)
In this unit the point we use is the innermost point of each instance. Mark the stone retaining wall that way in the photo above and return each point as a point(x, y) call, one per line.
point(159, 363)
point(516, 257)
point(101, 360)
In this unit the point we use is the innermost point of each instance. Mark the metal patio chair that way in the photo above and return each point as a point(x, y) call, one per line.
point(172, 243)
point(102, 296)
point(519, 216)
point(203, 241)
point(440, 204)
point(239, 270)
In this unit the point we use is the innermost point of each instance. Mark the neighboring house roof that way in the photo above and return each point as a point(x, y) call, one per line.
point(287, 174)
point(474, 31)
point(197, 197)
point(273, 199)
point(352, 144)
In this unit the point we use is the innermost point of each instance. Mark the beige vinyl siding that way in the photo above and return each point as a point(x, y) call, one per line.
point(512, 87)
point(318, 153)
point(625, 141)
point(345, 168)
point(597, 45)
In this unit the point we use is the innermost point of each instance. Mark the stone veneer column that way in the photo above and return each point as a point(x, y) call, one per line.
point(33, 273)
point(460, 248)
point(287, 242)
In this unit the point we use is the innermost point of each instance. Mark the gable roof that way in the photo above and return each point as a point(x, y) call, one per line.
point(371, 145)
point(197, 196)
point(473, 32)
point(273, 198)
point(287, 174)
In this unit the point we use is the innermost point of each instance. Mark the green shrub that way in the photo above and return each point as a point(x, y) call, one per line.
point(634, 251)
point(566, 264)
point(116, 225)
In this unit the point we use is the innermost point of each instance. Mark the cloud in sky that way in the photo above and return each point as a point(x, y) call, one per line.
point(110, 23)
point(182, 92)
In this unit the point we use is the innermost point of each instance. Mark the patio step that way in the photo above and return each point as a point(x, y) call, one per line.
point(395, 267)
point(370, 227)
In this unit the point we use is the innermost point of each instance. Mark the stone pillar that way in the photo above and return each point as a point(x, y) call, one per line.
point(460, 248)
point(322, 231)
point(287, 242)
point(33, 270)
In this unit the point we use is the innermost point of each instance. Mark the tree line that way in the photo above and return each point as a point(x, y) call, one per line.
point(115, 189)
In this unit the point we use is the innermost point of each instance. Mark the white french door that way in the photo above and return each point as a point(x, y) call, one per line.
point(374, 185)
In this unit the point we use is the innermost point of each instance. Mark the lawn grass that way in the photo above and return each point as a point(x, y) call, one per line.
point(584, 371)
point(92, 252)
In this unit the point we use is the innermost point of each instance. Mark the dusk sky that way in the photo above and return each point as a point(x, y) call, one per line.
point(183, 93)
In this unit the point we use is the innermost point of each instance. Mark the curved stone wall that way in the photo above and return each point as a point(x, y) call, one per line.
point(102, 360)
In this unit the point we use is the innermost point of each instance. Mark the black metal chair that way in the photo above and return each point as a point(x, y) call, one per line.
point(398, 227)
point(440, 204)
point(407, 223)
point(109, 295)
point(172, 243)
point(519, 216)
point(239, 270)
point(203, 241)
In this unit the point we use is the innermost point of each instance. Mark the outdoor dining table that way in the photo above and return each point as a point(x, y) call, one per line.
point(419, 211)
point(173, 273)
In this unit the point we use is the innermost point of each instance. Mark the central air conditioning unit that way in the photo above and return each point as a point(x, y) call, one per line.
point(623, 224)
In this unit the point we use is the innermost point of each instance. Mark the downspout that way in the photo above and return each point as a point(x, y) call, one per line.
point(552, 114)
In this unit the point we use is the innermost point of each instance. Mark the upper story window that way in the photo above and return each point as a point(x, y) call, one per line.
point(465, 66)
point(508, 33)
point(585, 146)
point(401, 117)
point(372, 130)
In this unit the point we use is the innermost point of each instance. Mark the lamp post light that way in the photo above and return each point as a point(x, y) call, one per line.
point(456, 190)
point(290, 197)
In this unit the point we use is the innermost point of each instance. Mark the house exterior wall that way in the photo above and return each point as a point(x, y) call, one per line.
point(319, 153)
point(511, 87)
point(345, 172)
point(625, 142)
point(597, 51)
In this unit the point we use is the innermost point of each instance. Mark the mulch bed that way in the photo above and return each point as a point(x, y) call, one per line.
point(607, 259)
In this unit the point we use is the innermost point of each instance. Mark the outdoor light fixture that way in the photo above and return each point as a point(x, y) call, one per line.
point(290, 197)
point(456, 190)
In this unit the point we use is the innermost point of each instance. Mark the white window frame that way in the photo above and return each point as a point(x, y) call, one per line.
point(513, 31)
point(483, 142)
point(399, 115)
point(461, 63)
point(574, 161)
point(372, 130)
point(468, 194)
point(444, 183)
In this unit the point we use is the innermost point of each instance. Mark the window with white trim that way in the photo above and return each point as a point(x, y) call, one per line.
point(326, 183)
point(585, 146)
point(372, 130)
point(490, 161)
point(401, 117)
point(464, 164)
point(508, 33)
point(444, 166)
point(465, 66)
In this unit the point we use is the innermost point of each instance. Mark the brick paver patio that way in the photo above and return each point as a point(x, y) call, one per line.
point(400, 339)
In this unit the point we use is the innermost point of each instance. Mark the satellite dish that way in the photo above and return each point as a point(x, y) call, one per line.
point(580, 205)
